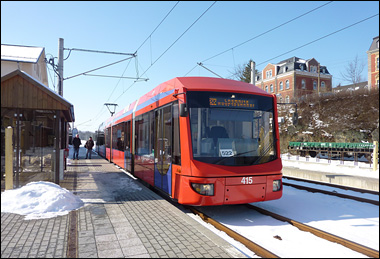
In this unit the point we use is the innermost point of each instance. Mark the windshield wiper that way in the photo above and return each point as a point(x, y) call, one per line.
point(266, 151)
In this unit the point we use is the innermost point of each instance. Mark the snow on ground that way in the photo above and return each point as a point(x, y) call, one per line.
point(335, 166)
point(38, 200)
point(336, 215)
point(356, 221)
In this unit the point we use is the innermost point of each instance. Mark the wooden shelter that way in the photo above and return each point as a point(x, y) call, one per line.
point(40, 120)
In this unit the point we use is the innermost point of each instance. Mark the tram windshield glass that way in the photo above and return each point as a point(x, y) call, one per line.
point(232, 129)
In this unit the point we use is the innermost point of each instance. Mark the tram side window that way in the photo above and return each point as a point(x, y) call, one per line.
point(100, 138)
point(151, 132)
point(118, 136)
point(127, 139)
point(176, 139)
point(114, 137)
point(108, 137)
point(143, 145)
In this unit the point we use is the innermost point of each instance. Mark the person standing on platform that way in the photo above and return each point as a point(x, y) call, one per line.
point(89, 145)
point(76, 144)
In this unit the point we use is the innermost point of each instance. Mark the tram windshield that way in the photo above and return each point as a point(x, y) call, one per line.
point(232, 129)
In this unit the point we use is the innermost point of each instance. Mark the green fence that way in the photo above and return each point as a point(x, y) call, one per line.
point(330, 145)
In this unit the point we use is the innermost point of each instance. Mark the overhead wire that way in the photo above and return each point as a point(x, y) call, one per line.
point(264, 62)
point(100, 112)
point(180, 36)
point(85, 73)
point(261, 34)
point(158, 25)
point(51, 79)
point(319, 39)
point(171, 45)
point(97, 68)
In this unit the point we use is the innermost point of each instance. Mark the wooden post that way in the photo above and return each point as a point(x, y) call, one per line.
point(375, 157)
point(8, 158)
point(18, 142)
point(57, 145)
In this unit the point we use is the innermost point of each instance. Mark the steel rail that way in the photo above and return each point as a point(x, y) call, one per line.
point(320, 233)
point(257, 249)
point(341, 195)
point(332, 185)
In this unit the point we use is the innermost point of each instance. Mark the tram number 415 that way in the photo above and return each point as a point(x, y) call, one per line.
point(247, 180)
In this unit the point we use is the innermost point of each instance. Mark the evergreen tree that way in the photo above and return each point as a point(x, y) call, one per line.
point(243, 73)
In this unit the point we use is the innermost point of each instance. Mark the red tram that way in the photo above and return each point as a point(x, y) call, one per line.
point(202, 141)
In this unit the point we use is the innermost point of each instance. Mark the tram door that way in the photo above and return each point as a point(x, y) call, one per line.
point(127, 152)
point(162, 149)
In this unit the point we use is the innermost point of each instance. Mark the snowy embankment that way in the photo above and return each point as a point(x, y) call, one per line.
point(335, 166)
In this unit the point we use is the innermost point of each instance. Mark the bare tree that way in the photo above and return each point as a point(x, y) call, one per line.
point(243, 72)
point(353, 71)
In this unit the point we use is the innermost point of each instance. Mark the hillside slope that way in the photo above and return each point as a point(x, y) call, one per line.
point(343, 117)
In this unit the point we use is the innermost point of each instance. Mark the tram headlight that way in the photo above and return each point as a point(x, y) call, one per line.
point(203, 189)
point(276, 185)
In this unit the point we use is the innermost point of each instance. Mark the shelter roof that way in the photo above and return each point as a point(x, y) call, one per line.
point(20, 90)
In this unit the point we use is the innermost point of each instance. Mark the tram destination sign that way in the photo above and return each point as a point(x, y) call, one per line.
point(231, 102)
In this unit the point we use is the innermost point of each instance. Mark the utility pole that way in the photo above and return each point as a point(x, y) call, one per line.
point(319, 77)
point(60, 67)
point(253, 72)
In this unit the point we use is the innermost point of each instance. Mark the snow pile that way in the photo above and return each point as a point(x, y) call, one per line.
point(38, 200)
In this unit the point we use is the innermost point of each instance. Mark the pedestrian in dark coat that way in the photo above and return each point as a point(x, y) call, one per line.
point(89, 145)
point(76, 143)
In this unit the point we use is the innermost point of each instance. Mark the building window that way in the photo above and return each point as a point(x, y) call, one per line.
point(287, 99)
point(323, 84)
point(280, 99)
point(266, 88)
point(303, 84)
point(377, 63)
point(281, 86)
point(271, 88)
point(269, 73)
point(313, 69)
point(314, 85)
point(287, 84)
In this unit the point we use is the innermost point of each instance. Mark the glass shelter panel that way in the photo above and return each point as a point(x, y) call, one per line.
point(33, 144)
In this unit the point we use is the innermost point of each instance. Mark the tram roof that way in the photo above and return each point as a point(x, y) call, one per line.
point(217, 84)
point(184, 84)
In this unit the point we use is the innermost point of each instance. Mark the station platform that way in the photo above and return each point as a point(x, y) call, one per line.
point(121, 218)
point(345, 175)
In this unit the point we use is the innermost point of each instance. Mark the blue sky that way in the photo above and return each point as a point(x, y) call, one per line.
point(182, 40)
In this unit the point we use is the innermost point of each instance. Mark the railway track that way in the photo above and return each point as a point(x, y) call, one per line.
point(320, 233)
point(254, 247)
point(334, 193)
point(264, 252)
